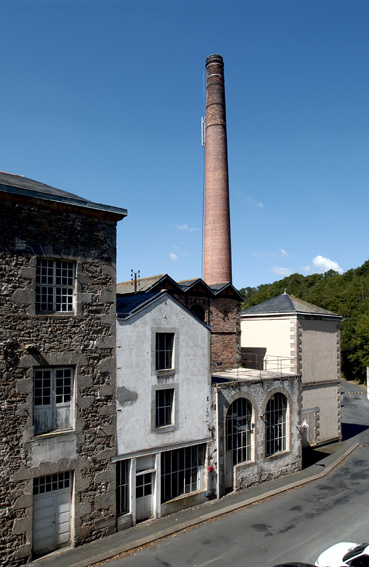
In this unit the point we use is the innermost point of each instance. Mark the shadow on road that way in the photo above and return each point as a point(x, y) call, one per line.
point(350, 430)
point(310, 456)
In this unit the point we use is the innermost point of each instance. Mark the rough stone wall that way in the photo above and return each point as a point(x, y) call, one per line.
point(84, 340)
point(260, 468)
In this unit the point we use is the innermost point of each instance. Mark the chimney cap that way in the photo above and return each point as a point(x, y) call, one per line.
point(214, 59)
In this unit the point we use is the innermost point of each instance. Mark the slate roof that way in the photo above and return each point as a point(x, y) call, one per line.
point(154, 282)
point(143, 284)
point(215, 288)
point(19, 185)
point(286, 304)
point(130, 304)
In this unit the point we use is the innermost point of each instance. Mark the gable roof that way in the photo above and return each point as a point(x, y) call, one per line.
point(19, 185)
point(163, 281)
point(130, 305)
point(143, 284)
point(287, 304)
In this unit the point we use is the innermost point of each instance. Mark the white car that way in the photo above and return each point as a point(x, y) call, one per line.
point(343, 554)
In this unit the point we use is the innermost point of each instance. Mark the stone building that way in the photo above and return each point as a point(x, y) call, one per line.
point(256, 428)
point(286, 333)
point(163, 407)
point(217, 305)
point(57, 361)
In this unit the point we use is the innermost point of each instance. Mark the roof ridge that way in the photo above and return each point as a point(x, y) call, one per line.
point(141, 279)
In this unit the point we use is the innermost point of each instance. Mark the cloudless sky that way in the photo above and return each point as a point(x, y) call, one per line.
point(104, 98)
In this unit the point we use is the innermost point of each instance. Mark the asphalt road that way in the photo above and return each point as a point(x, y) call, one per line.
point(295, 526)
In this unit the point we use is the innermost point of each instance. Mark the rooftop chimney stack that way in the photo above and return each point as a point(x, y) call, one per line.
point(217, 229)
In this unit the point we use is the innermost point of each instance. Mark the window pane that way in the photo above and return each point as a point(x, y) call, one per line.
point(53, 391)
point(51, 483)
point(180, 471)
point(164, 407)
point(54, 285)
point(238, 430)
point(122, 487)
point(275, 419)
point(164, 351)
point(42, 385)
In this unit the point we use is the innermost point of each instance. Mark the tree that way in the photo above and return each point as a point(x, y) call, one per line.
point(344, 294)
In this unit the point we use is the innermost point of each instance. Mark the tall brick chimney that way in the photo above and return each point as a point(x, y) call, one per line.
point(217, 229)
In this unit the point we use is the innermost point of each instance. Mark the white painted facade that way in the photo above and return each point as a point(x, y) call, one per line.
point(186, 383)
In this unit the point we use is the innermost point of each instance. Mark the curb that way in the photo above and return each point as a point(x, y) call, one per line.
point(115, 551)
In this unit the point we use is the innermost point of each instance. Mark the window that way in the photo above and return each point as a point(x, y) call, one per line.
point(181, 471)
point(164, 351)
point(122, 487)
point(53, 392)
point(275, 420)
point(54, 286)
point(164, 408)
point(238, 431)
point(143, 485)
point(51, 482)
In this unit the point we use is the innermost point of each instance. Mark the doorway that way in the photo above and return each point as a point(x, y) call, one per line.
point(51, 512)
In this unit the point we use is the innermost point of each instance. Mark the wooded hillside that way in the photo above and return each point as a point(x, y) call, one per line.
point(346, 295)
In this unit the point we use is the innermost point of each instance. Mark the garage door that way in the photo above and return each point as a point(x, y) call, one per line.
point(51, 512)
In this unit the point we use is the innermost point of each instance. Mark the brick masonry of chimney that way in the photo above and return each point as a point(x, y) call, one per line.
point(217, 239)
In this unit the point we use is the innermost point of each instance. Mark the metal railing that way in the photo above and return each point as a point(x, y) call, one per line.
point(267, 362)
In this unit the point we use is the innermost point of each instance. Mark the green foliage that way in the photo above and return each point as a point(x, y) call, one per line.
point(346, 295)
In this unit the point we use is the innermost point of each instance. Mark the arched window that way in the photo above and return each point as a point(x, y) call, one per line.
point(275, 422)
point(238, 431)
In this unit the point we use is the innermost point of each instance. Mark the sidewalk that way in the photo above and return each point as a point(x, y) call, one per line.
point(153, 530)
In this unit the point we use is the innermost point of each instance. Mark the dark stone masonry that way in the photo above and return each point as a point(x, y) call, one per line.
point(72, 458)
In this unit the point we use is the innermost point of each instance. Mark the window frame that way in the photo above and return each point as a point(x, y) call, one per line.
point(52, 483)
point(55, 286)
point(275, 419)
point(53, 399)
point(173, 425)
point(164, 407)
point(123, 487)
point(164, 352)
point(182, 471)
point(238, 440)
point(164, 373)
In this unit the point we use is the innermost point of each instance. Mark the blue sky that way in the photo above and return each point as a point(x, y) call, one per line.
point(104, 99)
